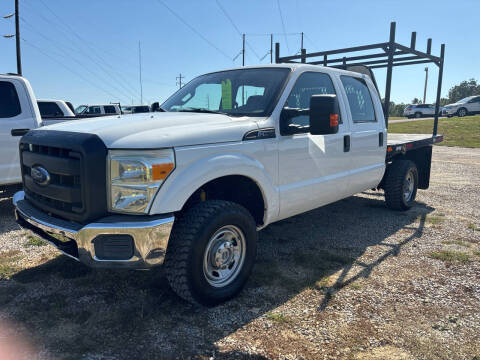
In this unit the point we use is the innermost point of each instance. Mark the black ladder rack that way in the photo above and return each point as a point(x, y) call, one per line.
point(392, 54)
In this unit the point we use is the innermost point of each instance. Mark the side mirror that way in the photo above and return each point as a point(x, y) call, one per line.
point(324, 114)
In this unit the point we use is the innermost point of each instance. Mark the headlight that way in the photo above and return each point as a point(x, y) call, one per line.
point(135, 176)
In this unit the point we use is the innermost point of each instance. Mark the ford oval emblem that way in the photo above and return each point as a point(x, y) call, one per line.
point(40, 175)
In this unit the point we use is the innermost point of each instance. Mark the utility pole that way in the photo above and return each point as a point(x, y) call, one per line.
point(179, 80)
point(243, 50)
point(271, 48)
point(17, 38)
point(140, 68)
point(425, 89)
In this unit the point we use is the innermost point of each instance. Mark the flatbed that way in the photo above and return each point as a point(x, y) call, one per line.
point(398, 144)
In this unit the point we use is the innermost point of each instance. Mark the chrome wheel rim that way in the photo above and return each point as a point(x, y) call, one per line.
point(408, 186)
point(461, 112)
point(224, 256)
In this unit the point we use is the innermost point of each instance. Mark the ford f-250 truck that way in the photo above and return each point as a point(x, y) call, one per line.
point(232, 152)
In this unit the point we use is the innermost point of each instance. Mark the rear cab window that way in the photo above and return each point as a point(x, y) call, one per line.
point(109, 109)
point(9, 102)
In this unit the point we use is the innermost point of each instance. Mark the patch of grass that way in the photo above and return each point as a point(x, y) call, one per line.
point(434, 219)
point(449, 256)
point(279, 318)
point(456, 131)
point(472, 226)
point(476, 253)
point(456, 242)
point(7, 266)
point(355, 286)
point(34, 241)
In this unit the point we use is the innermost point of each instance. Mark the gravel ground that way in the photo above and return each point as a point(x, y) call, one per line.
point(351, 280)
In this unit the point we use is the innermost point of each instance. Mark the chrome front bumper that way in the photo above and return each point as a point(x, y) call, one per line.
point(150, 235)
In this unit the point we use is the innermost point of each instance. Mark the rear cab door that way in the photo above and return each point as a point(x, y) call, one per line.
point(17, 111)
point(368, 132)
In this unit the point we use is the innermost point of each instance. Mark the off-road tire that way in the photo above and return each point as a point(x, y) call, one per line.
point(394, 184)
point(190, 235)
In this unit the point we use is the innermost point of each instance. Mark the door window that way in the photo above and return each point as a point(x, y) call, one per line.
point(359, 99)
point(49, 109)
point(94, 110)
point(308, 84)
point(9, 103)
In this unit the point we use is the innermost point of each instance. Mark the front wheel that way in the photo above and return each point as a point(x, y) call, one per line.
point(211, 252)
point(401, 184)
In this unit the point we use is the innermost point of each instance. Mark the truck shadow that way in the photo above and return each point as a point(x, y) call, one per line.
point(76, 311)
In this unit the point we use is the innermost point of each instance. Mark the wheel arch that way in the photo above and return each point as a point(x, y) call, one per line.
point(243, 174)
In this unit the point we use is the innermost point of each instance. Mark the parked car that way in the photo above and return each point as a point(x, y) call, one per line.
point(464, 107)
point(54, 108)
point(419, 110)
point(135, 109)
point(97, 110)
point(232, 152)
point(19, 113)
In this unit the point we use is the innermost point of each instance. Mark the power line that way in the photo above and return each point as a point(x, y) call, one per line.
point(194, 30)
point(68, 54)
point(235, 27)
point(104, 67)
point(69, 69)
point(283, 24)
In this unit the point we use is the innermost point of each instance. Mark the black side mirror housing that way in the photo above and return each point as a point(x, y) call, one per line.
point(324, 114)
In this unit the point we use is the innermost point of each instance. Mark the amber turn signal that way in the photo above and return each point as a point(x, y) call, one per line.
point(333, 120)
point(161, 171)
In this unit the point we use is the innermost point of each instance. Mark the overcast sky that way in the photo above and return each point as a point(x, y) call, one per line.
point(87, 52)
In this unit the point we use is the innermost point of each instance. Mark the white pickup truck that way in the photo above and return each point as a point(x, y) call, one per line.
point(232, 152)
point(19, 113)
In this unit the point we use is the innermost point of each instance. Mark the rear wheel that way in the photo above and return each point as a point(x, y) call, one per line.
point(418, 115)
point(211, 252)
point(401, 184)
point(462, 112)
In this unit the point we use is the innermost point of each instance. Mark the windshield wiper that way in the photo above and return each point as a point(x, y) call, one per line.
point(201, 110)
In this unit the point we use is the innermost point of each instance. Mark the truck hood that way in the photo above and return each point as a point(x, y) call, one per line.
point(157, 130)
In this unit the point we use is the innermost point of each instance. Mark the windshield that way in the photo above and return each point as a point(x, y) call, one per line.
point(80, 109)
point(467, 99)
point(244, 92)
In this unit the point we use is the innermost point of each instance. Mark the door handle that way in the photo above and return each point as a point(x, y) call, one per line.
point(19, 132)
point(380, 139)
point(346, 143)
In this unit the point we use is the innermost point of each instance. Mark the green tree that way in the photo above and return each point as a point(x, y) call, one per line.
point(416, 101)
point(464, 89)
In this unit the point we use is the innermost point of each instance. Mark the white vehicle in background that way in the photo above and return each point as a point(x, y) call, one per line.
point(19, 113)
point(419, 110)
point(97, 110)
point(135, 109)
point(55, 108)
point(464, 107)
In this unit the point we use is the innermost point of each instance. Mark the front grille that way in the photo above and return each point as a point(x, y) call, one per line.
point(64, 191)
point(75, 163)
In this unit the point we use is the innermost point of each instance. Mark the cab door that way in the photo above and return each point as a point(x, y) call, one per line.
point(15, 113)
point(313, 169)
point(368, 133)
